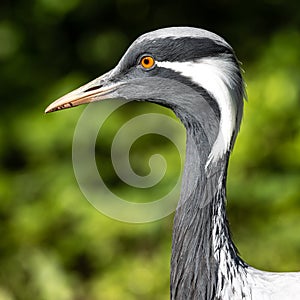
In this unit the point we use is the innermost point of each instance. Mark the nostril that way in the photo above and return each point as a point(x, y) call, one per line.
point(93, 88)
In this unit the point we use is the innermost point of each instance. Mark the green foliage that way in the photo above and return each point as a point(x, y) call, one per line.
point(54, 244)
point(264, 178)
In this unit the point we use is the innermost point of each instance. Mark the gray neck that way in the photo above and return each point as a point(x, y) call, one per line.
point(200, 224)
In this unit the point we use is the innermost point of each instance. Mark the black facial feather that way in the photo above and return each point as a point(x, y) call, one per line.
point(170, 49)
point(185, 49)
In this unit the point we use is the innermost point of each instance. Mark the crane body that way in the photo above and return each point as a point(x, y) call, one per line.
point(196, 74)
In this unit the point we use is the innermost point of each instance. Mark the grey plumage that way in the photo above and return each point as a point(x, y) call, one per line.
point(197, 75)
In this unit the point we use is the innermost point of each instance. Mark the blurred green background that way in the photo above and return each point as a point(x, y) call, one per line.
point(53, 243)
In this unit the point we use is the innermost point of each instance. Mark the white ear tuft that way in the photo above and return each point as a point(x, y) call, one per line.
point(214, 74)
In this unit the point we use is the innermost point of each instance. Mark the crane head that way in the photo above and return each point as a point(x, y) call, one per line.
point(192, 71)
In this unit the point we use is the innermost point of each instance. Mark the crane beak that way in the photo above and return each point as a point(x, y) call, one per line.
point(99, 89)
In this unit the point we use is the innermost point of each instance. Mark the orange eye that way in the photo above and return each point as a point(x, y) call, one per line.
point(147, 62)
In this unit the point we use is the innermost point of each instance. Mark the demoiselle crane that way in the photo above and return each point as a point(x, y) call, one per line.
point(196, 74)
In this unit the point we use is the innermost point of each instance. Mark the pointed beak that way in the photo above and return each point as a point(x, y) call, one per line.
point(99, 89)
